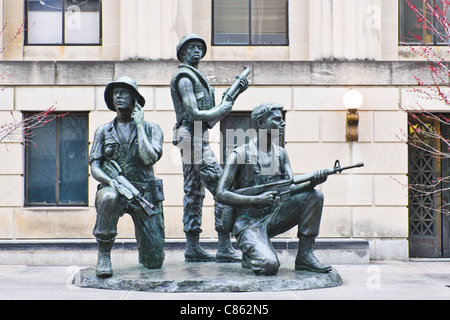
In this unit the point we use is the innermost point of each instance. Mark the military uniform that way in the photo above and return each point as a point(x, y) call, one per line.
point(111, 206)
point(110, 146)
point(200, 166)
point(253, 226)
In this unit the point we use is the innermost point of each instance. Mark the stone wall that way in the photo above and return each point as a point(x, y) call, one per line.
point(150, 29)
point(366, 203)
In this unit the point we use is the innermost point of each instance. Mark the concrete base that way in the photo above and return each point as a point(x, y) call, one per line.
point(205, 277)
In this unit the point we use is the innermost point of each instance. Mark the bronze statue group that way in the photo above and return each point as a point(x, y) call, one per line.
point(124, 152)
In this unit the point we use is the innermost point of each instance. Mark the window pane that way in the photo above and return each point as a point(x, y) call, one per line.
point(441, 23)
point(73, 159)
point(57, 162)
point(410, 27)
point(41, 165)
point(44, 22)
point(82, 25)
point(408, 21)
point(231, 22)
point(269, 24)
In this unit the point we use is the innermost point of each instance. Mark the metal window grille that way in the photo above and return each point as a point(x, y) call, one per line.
point(428, 204)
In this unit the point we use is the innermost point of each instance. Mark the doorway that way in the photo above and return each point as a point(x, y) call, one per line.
point(429, 184)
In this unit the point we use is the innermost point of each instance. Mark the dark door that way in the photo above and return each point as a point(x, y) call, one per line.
point(428, 174)
point(445, 147)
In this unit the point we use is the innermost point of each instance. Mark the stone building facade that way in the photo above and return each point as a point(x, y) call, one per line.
point(332, 46)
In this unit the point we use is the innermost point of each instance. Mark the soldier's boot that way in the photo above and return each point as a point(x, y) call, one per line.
point(306, 260)
point(225, 251)
point(194, 252)
point(104, 269)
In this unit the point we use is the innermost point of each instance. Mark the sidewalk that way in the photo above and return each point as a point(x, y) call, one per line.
point(388, 280)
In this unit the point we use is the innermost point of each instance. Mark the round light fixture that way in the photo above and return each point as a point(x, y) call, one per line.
point(353, 99)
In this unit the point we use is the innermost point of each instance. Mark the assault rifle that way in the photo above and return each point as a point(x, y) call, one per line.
point(285, 187)
point(127, 189)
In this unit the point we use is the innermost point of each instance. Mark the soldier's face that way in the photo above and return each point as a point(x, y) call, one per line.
point(274, 120)
point(194, 52)
point(122, 98)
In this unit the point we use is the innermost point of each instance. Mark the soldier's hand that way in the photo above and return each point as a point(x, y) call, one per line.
point(138, 115)
point(244, 84)
point(227, 103)
point(267, 198)
point(113, 183)
point(320, 177)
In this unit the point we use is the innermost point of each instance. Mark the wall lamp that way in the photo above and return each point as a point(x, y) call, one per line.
point(352, 101)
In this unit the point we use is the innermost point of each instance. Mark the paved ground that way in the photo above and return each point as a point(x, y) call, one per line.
point(411, 280)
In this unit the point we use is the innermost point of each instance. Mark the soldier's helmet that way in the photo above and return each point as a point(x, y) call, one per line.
point(185, 40)
point(122, 81)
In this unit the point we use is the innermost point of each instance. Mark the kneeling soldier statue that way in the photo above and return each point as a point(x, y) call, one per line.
point(121, 159)
point(267, 199)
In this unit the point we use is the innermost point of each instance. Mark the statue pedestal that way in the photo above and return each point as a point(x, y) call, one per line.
point(205, 277)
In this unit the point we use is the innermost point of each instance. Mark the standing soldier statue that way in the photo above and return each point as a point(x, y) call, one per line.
point(121, 159)
point(196, 113)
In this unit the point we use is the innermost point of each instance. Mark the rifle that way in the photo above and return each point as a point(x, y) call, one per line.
point(285, 187)
point(126, 188)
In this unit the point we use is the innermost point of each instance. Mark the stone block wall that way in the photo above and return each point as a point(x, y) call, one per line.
point(366, 203)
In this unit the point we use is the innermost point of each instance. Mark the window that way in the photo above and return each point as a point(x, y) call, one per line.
point(236, 129)
point(63, 22)
point(250, 22)
point(57, 163)
point(412, 31)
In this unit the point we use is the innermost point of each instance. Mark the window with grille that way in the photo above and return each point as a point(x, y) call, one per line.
point(250, 22)
point(63, 22)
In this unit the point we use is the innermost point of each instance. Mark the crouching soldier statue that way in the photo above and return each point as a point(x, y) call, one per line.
point(121, 159)
point(259, 216)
